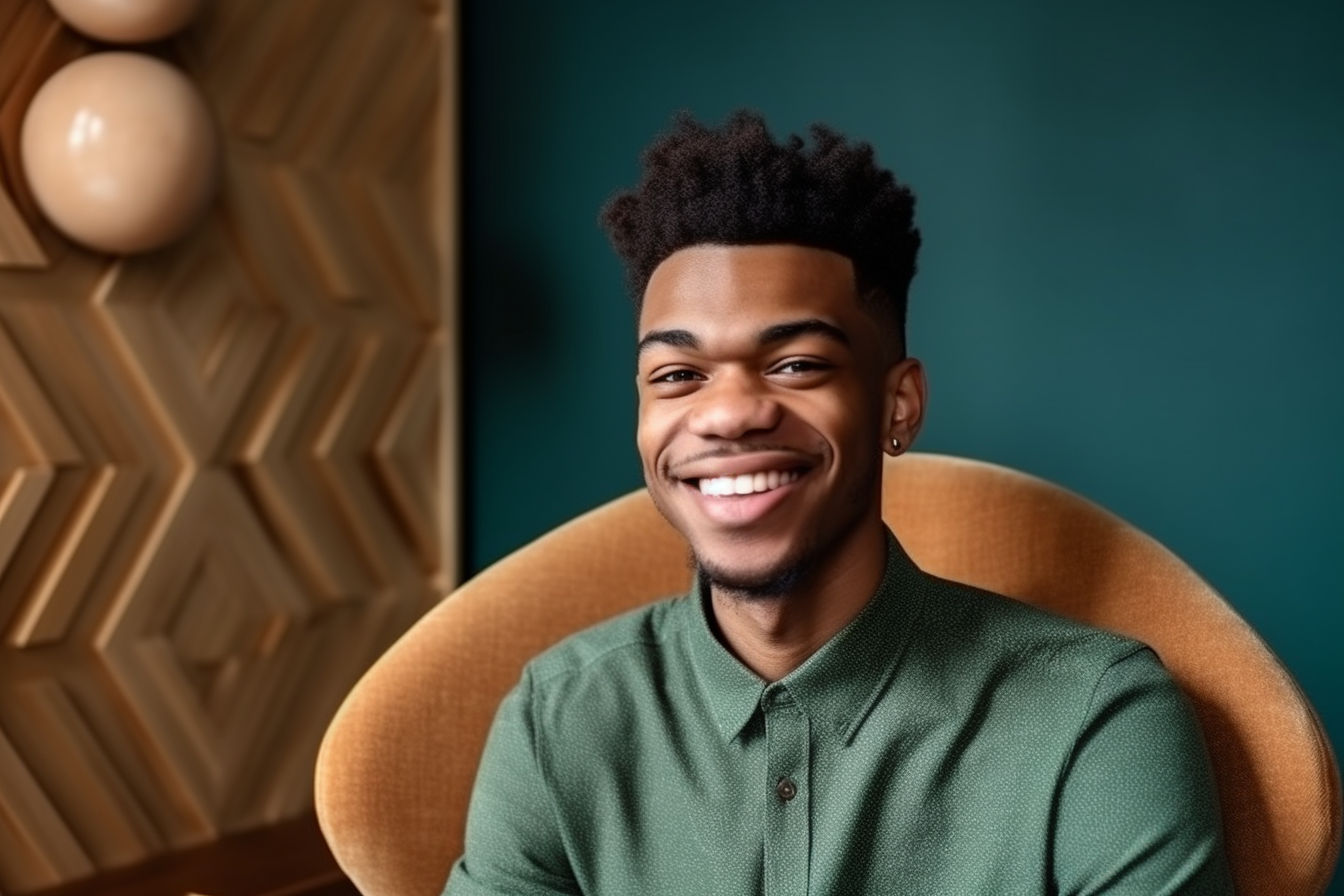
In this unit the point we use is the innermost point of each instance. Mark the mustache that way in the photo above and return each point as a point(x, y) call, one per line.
point(739, 449)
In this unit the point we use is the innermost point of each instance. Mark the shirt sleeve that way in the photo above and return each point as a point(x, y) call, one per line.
point(513, 845)
point(1137, 810)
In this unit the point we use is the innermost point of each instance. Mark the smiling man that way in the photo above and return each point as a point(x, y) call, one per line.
point(818, 715)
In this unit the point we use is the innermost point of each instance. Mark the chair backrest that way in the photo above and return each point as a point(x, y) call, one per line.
point(397, 765)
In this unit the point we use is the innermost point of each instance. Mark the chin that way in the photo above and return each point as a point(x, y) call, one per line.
point(767, 582)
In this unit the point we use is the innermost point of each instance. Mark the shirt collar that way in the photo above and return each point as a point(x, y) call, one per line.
point(836, 686)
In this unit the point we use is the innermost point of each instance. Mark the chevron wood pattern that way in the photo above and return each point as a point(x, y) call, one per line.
point(226, 476)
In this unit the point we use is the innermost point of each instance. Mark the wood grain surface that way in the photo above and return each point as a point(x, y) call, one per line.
point(226, 468)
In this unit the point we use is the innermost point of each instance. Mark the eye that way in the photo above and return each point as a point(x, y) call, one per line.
point(673, 382)
point(801, 367)
point(681, 375)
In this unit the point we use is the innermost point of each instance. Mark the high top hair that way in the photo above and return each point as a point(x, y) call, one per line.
point(735, 185)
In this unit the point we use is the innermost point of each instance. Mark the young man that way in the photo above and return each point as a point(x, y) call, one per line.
point(817, 715)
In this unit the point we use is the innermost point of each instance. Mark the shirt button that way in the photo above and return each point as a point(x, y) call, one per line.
point(785, 789)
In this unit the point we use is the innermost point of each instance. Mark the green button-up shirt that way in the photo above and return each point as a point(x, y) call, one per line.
point(947, 741)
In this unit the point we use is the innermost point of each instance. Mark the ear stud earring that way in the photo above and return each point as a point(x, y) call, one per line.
point(896, 444)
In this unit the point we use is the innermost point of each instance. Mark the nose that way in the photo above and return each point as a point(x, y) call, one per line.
point(731, 407)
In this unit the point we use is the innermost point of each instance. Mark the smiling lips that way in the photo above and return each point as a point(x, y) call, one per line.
point(746, 483)
point(733, 492)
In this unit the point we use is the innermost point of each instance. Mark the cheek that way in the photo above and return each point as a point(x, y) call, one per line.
point(650, 434)
point(841, 420)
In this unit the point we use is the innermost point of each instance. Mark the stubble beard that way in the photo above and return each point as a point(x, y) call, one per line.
point(771, 584)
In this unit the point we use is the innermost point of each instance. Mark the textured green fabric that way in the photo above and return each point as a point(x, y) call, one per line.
point(946, 741)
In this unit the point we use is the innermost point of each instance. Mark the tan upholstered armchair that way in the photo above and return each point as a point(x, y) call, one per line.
point(397, 765)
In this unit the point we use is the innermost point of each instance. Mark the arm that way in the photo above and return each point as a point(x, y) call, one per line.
point(1137, 811)
point(513, 843)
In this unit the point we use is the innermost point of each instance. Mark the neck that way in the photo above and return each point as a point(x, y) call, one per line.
point(772, 636)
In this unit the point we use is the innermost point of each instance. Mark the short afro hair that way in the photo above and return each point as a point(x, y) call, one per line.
point(735, 185)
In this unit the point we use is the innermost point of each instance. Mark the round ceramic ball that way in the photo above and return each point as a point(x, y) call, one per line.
point(126, 21)
point(120, 152)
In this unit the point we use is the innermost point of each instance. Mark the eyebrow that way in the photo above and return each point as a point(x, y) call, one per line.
point(809, 327)
point(675, 338)
point(769, 336)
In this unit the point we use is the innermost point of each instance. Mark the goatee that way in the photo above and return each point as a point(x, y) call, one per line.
point(772, 585)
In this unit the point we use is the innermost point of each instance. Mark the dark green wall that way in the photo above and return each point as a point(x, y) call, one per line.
point(1131, 284)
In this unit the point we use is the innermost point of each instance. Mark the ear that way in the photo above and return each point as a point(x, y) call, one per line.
point(906, 393)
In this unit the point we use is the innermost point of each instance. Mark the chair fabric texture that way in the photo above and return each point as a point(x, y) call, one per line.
point(396, 767)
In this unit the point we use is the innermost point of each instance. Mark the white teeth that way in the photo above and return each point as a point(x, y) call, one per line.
point(746, 483)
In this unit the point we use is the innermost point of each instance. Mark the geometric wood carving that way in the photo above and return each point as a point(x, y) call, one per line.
point(222, 465)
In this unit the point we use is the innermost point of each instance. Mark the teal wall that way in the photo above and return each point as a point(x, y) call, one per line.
point(1133, 275)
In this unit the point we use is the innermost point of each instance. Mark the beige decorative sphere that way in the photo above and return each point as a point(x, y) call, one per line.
point(120, 152)
point(126, 21)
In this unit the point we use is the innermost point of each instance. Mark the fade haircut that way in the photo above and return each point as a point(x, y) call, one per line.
point(735, 185)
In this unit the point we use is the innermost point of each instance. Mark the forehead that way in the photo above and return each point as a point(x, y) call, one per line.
point(712, 287)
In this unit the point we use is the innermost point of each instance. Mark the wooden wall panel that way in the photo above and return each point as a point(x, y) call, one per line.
point(226, 478)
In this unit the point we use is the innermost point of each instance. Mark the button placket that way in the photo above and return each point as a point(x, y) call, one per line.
point(788, 817)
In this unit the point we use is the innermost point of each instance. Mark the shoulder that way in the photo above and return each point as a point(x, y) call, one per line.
point(588, 693)
point(633, 638)
point(974, 648)
point(1003, 629)
point(1031, 691)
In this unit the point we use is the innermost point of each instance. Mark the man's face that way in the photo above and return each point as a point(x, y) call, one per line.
point(761, 408)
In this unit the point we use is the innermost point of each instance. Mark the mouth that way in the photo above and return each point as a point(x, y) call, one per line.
point(730, 485)
point(743, 491)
